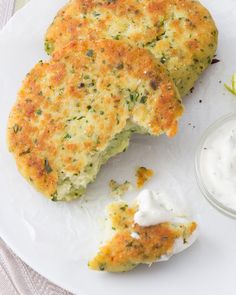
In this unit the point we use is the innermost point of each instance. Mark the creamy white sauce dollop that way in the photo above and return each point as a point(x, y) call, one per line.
point(218, 164)
point(157, 207)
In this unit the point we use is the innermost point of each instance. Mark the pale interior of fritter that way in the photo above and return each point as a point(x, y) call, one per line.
point(74, 186)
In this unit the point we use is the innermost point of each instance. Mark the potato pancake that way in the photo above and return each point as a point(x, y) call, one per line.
point(77, 110)
point(180, 33)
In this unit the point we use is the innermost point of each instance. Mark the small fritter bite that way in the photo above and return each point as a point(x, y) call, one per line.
point(180, 33)
point(143, 174)
point(132, 244)
point(79, 109)
point(119, 189)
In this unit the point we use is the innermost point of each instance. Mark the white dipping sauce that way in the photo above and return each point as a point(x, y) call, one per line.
point(155, 208)
point(218, 164)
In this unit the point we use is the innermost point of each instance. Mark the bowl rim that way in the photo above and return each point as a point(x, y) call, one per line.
point(205, 192)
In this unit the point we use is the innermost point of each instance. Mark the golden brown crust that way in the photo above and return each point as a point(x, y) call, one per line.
point(180, 33)
point(124, 252)
point(69, 109)
point(143, 175)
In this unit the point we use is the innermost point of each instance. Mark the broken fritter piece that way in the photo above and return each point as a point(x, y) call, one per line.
point(119, 189)
point(143, 174)
point(79, 109)
point(132, 244)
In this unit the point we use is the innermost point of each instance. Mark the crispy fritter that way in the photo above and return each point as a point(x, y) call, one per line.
point(132, 244)
point(180, 33)
point(76, 111)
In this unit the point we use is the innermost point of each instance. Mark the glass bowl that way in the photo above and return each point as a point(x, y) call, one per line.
point(199, 167)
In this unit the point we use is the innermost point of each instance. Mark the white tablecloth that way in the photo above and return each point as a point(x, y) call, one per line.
point(15, 276)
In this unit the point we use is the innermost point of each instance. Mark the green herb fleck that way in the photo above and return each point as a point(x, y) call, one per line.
point(151, 43)
point(49, 47)
point(129, 244)
point(163, 59)
point(38, 112)
point(67, 136)
point(96, 14)
point(153, 84)
point(134, 96)
point(123, 208)
point(72, 70)
point(81, 85)
point(72, 119)
point(25, 152)
point(47, 166)
point(232, 89)
point(90, 53)
point(143, 99)
point(91, 84)
point(117, 119)
point(80, 118)
point(120, 66)
point(102, 266)
point(116, 37)
point(61, 90)
point(16, 128)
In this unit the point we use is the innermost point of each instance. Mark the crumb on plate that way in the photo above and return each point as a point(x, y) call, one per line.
point(119, 189)
point(143, 174)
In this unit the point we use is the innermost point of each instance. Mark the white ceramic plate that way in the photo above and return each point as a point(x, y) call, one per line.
point(57, 239)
